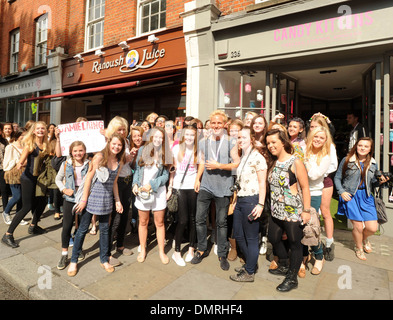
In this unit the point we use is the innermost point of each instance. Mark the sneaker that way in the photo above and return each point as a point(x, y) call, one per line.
point(224, 264)
point(189, 257)
point(71, 243)
point(329, 253)
point(23, 223)
point(198, 257)
point(7, 218)
point(50, 206)
point(263, 249)
point(242, 276)
point(36, 230)
point(62, 262)
point(215, 249)
point(179, 261)
point(81, 256)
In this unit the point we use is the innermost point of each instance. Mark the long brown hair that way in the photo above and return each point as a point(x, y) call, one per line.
point(182, 145)
point(353, 152)
point(147, 156)
point(106, 151)
point(288, 147)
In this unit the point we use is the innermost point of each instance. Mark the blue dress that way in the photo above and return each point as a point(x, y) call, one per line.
point(100, 201)
point(360, 208)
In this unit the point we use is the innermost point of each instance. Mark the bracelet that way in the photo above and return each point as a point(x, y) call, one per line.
point(117, 199)
point(307, 210)
point(82, 201)
point(170, 187)
point(261, 205)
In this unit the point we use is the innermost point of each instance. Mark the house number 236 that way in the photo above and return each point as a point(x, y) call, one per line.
point(235, 54)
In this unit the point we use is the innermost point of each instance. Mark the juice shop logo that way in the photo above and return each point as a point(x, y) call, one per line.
point(132, 61)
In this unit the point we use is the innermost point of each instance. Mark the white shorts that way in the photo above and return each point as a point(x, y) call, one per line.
point(159, 202)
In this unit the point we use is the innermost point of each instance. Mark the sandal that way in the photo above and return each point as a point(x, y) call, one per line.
point(367, 246)
point(108, 268)
point(141, 257)
point(318, 265)
point(93, 231)
point(56, 216)
point(360, 254)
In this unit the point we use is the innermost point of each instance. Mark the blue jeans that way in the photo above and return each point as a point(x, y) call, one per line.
point(16, 198)
point(81, 233)
point(203, 209)
point(246, 232)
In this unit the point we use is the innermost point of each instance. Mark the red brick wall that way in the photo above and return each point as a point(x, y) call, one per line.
point(68, 24)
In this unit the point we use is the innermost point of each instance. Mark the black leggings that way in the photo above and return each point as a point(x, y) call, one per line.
point(29, 202)
point(68, 222)
point(294, 233)
point(186, 215)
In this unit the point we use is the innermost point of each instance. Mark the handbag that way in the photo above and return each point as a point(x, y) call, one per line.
point(146, 197)
point(380, 207)
point(312, 229)
point(173, 202)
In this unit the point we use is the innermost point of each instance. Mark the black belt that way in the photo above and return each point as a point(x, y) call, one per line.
point(362, 188)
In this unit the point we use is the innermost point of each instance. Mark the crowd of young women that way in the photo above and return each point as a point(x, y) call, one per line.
point(282, 174)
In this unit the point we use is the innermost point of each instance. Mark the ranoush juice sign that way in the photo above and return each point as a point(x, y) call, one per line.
point(132, 62)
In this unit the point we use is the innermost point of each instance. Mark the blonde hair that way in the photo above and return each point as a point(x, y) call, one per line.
point(114, 125)
point(76, 144)
point(29, 139)
point(325, 151)
point(219, 113)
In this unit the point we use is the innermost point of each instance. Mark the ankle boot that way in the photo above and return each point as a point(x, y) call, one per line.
point(289, 283)
point(8, 239)
point(282, 268)
point(232, 255)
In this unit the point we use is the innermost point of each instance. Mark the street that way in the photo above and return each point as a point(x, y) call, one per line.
point(8, 292)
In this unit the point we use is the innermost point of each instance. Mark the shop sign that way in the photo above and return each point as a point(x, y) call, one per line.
point(24, 87)
point(132, 61)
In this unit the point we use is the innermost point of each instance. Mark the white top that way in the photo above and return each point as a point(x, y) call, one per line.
point(149, 173)
point(126, 169)
point(316, 173)
point(11, 156)
point(247, 173)
point(189, 179)
point(333, 160)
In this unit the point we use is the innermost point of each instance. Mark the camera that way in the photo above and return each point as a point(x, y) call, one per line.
point(379, 174)
point(235, 187)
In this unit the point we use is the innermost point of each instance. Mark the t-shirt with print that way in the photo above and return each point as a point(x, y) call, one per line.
point(247, 173)
point(189, 179)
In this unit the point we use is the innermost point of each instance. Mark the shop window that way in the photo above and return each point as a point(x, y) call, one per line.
point(14, 45)
point(152, 15)
point(240, 92)
point(95, 24)
point(41, 40)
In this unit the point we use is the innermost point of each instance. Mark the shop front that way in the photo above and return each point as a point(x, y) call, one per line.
point(298, 59)
point(155, 71)
point(14, 90)
point(132, 79)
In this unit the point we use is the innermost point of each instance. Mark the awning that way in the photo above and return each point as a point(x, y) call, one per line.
point(97, 89)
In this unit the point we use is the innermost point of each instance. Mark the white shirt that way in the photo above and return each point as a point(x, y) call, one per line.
point(189, 179)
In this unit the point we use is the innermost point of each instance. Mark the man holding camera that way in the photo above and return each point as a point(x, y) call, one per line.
point(218, 156)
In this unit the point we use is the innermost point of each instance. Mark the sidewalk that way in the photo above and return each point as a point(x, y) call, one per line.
point(32, 269)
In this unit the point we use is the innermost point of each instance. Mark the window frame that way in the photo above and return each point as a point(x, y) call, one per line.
point(41, 45)
point(92, 23)
point(14, 55)
point(140, 17)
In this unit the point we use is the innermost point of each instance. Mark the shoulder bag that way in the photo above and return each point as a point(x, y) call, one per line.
point(380, 207)
point(173, 201)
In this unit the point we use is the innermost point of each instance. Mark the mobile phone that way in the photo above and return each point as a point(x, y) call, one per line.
point(251, 217)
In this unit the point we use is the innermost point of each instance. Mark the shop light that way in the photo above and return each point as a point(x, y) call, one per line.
point(227, 98)
point(152, 38)
point(247, 87)
point(78, 57)
point(123, 45)
point(99, 53)
point(259, 95)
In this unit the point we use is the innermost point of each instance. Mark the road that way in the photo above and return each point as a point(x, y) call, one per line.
point(8, 292)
